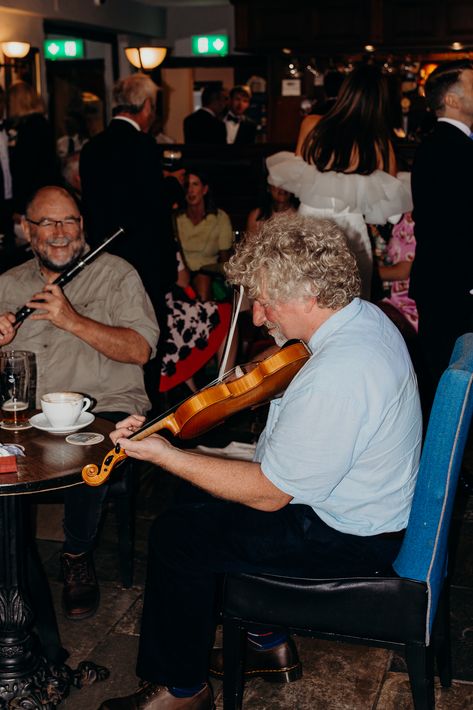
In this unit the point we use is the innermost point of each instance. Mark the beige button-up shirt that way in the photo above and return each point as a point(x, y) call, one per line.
point(109, 291)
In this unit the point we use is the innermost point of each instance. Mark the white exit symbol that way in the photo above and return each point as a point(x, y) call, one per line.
point(218, 44)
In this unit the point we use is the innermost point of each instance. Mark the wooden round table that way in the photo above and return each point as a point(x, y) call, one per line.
point(50, 463)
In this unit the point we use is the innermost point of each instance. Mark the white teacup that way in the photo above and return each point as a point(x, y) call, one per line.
point(63, 409)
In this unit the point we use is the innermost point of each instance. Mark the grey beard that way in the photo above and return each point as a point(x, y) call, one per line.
point(276, 334)
point(56, 268)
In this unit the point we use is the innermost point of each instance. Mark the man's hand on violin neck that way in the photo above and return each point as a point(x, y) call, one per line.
point(127, 427)
point(151, 448)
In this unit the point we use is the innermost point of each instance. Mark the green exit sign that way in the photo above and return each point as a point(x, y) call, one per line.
point(206, 45)
point(64, 49)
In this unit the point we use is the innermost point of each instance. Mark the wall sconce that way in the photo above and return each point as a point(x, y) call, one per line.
point(145, 57)
point(15, 50)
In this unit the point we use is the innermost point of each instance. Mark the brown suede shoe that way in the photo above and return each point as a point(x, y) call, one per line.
point(278, 665)
point(81, 594)
point(157, 697)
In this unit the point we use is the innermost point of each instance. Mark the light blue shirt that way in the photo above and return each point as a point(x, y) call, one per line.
point(345, 438)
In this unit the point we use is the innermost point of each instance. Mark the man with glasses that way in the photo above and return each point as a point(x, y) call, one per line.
point(93, 338)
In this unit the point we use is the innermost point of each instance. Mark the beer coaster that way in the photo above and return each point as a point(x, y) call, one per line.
point(85, 438)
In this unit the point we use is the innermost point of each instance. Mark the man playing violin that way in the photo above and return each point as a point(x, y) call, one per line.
point(329, 490)
point(94, 338)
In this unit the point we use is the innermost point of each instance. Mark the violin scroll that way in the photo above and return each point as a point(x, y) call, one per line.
point(91, 474)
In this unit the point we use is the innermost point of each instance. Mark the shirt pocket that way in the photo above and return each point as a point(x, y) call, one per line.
point(95, 309)
point(273, 416)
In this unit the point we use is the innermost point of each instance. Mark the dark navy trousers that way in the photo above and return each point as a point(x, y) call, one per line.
point(200, 538)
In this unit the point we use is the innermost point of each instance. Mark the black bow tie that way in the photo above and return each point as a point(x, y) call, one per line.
point(231, 117)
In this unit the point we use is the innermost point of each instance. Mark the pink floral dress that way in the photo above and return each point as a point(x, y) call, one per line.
point(402, 247)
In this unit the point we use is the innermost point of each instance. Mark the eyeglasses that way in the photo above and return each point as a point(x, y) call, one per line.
point(69, 224)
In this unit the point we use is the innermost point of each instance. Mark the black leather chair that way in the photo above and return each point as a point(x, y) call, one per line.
point(405, 610)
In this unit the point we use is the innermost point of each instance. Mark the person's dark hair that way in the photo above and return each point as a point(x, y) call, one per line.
point(355, 127)
point(265, 206)
point(441, 81)
point(211, 94)
point(209, 204)
point(244, 90)
point(333, 81)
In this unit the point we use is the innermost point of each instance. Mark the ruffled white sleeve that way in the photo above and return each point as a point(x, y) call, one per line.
point(378, 197)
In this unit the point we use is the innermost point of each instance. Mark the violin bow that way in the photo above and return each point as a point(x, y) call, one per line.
point(235, 313)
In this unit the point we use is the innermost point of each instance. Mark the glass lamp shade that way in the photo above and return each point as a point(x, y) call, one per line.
point(145, 57)
point(15, 50)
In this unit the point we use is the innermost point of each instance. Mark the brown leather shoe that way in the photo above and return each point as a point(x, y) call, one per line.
point(278, 665)
point(157, 697)
point(81, 594)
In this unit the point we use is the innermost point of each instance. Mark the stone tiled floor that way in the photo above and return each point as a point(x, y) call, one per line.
point(336, 676)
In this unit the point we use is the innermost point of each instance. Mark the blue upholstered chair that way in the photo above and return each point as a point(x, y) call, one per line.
point(404, 609)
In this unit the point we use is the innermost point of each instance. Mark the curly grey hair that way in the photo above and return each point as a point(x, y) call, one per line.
point(296, 257)
point(130, 93)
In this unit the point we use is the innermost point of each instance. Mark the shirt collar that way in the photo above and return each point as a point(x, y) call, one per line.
point(209, 110)
point(128, 120)
point(230, 115)
point(334, 323)
point(459, 124)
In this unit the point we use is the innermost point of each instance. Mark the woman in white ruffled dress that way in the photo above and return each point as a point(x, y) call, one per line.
point(346, 170)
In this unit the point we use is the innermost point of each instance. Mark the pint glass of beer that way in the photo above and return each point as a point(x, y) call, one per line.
point(15, 389)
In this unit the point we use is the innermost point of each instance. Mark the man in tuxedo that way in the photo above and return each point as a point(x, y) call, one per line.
point(205, 125)
point(442, 189)
point(122, 186)
point(241, 130)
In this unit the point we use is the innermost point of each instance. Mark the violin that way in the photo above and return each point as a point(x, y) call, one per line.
point(212, 405)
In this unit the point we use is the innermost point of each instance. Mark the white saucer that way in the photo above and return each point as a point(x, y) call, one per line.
point(40, 421)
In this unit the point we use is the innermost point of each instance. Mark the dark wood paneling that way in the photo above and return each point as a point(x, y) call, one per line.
point(459, 19)
point(329, 26)
point(410, 20)
point(342, 21)
point(302, 25)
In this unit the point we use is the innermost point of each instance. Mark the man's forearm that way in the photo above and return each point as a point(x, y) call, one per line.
point(117, 343)
point(237, 481)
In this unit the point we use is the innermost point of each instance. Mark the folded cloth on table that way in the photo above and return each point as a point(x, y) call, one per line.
point(234, 450)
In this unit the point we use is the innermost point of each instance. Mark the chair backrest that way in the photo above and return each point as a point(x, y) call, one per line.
point(423, 555)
